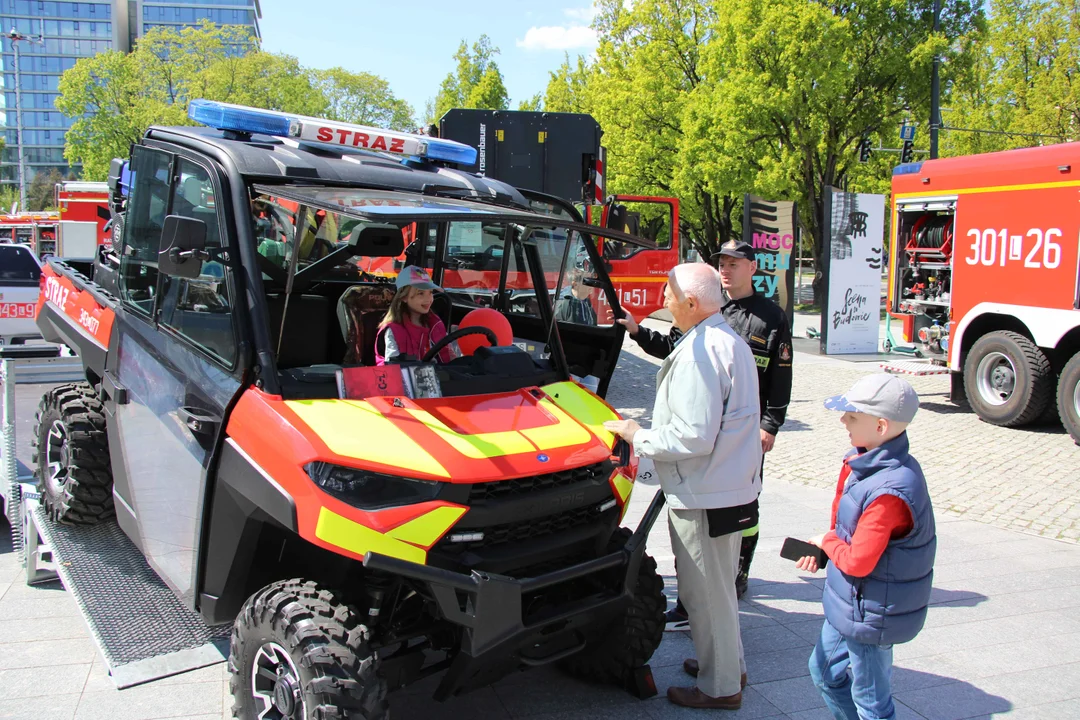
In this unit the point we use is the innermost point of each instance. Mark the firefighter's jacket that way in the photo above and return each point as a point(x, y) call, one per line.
point(764, 326)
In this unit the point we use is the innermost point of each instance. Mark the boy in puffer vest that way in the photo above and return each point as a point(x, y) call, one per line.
point(881, 552)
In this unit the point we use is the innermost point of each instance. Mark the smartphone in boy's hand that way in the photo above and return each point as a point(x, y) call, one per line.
point(797, 549)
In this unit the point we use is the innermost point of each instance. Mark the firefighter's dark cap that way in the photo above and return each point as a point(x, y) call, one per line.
point(734, 248)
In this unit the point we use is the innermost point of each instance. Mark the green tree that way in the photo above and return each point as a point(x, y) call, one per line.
point(476, 82)
point(533, 104)
point(266, 80)
point(41, 193)
point(794, 85)
point(111, 106)
point(362, 98)
point(9, 195)
point(567, 88)
point(1025, 87)
point(647, 70)
point(116, 97)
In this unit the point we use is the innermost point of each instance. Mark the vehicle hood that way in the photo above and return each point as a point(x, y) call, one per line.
point(476, 438)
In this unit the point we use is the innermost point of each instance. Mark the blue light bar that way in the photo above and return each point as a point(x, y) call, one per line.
point(328, 133)
point(224, 116)
point(907, 168)
point(448, 151)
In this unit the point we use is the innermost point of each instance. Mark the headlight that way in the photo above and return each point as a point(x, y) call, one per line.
point(368, 490)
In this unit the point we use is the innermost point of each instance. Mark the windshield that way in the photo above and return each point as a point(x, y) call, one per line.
point(330, 259)
point(474, 261)
point(17, 266)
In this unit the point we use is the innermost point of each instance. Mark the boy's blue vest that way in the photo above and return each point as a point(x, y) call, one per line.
point(889, 605)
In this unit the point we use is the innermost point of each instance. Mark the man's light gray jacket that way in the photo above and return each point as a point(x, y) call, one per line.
point(704, 437)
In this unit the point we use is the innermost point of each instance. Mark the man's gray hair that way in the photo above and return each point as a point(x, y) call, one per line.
point(699, 281)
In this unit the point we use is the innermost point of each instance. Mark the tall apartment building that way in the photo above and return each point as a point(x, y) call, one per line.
point(73, 30)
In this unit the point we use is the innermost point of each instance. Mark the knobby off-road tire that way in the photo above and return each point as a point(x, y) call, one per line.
point(633, 638)
point(314, 643)
point(1008, 379)
point(1068, 397)
point(71, 455)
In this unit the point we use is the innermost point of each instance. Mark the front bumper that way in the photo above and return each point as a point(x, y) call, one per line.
point(496, 636)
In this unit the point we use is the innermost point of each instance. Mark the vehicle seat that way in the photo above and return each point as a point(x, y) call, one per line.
point(307, 327)
point(360, 309)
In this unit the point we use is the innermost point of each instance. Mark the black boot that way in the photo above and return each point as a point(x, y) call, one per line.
point(746, 556)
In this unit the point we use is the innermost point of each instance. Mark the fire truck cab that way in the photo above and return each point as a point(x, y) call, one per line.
point(984, 274)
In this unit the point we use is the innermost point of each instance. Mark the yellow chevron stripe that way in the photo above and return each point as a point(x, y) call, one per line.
point(353, 428)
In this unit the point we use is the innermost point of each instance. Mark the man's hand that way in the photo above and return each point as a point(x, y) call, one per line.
point(626, 429)
point(808, 563)
point(628, 322)
point(767, 441)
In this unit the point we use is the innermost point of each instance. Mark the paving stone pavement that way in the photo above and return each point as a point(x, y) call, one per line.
point(1025, 479)
point(1002, 638)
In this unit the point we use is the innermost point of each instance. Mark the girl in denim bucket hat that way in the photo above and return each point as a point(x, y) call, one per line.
point(410, 328)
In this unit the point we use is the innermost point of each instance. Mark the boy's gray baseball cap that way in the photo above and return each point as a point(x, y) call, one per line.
point(881, 395)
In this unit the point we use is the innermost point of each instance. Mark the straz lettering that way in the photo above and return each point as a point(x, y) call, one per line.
point(355, 138)
point(89, 322)
point(56, 293)
point(853, 310)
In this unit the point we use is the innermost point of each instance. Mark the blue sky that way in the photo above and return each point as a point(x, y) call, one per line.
point(411, 44)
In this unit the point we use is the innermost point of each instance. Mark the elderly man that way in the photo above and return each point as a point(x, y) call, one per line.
point(706, 447)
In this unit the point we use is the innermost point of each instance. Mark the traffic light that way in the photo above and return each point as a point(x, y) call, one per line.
point(865, 148)
point(908, 153)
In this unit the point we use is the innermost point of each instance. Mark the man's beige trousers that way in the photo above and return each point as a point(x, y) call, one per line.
point(706, 575)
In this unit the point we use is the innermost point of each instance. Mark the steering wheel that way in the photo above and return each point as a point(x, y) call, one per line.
point(459, 333)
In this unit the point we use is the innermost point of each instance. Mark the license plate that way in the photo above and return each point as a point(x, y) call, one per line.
point(13, 311)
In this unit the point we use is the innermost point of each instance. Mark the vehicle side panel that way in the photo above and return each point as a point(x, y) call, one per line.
point(245, 497)
point(73, 311)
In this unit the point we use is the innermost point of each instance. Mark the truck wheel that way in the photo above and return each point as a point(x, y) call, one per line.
point(632, 639)
point(71, 455)
point(299, 652)
point(1008, 379)
point(1068, 397)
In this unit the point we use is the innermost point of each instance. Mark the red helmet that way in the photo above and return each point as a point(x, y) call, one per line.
point(491, 319)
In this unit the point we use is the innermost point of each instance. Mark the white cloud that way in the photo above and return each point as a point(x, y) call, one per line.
point(558, 38)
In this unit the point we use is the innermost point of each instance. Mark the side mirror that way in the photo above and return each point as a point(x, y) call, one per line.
point(116, 169)
point(181, 252)
point(119, 183)
point(616, 217)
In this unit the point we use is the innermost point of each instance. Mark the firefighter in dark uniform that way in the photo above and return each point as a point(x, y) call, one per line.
point(763, 324)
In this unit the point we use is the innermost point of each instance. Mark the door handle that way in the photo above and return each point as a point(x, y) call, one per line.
point(198, 421)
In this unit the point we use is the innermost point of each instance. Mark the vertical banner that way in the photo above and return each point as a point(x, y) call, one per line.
point(770, 226)
point(854, 230)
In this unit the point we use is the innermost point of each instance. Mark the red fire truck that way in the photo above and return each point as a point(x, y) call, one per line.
point(84, 210)
point(35, 229)
point(985, 274)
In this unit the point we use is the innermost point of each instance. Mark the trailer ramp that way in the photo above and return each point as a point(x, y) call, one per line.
point(143, 631)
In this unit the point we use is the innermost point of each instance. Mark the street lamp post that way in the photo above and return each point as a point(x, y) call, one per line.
point(935, 90)
point(15, 37)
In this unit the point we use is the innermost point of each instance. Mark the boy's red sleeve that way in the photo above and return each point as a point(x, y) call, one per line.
point(886, 518)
